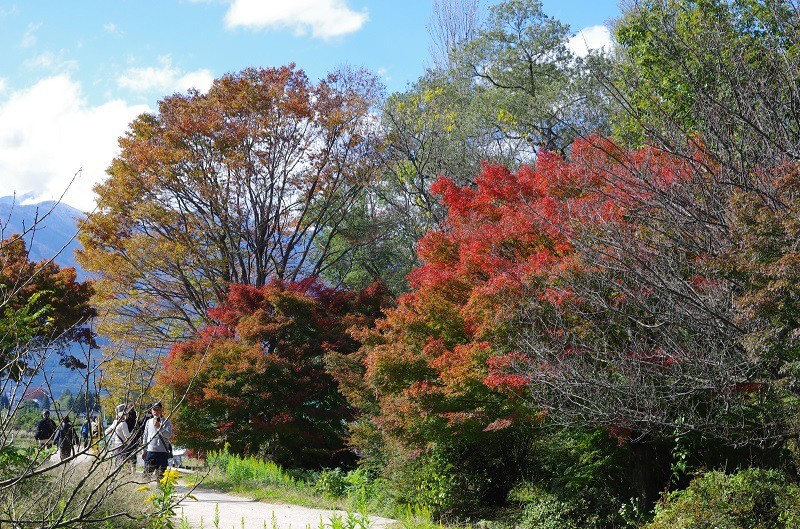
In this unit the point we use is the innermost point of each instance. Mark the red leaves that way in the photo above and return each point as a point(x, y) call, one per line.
point(443, 355)
point(263, 366)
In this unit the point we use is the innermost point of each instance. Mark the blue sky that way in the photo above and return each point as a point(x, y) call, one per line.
point(73, 74)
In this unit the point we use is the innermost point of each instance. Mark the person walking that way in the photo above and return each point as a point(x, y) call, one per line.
point(156, 442)
point(122, 434)
point(66, 439)
point(45, 429)
point(86, 432)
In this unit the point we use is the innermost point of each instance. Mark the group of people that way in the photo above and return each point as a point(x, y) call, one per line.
point(152, 435)
point(125, 436)
point(63, 436)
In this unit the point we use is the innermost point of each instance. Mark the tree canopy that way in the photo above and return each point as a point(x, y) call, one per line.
point(241, 184)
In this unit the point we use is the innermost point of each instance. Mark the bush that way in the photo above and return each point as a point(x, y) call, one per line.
point(429, 481)
point(545, 511)
point(357, 485)
point(574, 479)
point(331, 483)
point(751, 499)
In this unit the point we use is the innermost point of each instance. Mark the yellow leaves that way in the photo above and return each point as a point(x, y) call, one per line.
point(431, 93)
point(504, 116)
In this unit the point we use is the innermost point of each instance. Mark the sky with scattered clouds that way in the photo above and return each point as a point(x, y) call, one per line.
point(74, 74)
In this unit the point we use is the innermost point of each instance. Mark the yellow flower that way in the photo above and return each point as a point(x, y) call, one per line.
point(170, 477)
point(192, 496)
point(143, 487)
point(151, 498)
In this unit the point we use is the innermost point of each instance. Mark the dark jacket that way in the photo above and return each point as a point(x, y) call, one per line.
point(66, 436)
point(45, 429)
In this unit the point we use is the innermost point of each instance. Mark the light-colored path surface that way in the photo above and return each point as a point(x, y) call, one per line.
point(256, 514)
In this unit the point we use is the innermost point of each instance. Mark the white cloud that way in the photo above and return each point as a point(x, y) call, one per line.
point(164, 78)
point(29, 38)
point(47, 60)
point(7, 12)
point(3, 84)
point(323, 18)
point(110, 27)
point(49, 131)
point(591, 38)
point(199, 79)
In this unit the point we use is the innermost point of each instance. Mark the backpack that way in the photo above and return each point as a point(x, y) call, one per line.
point(65, 436)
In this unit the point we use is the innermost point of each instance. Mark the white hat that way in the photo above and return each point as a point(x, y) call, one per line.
point(120, 410)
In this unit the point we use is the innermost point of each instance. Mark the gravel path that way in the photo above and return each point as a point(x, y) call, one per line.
point(236, 512)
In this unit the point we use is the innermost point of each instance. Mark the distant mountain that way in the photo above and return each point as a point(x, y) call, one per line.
point(55, 231)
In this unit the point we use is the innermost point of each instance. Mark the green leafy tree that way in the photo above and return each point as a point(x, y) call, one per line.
point(540, 91)
point(721, 71)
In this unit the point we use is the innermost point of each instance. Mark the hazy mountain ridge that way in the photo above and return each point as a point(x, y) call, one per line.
point(54, 233)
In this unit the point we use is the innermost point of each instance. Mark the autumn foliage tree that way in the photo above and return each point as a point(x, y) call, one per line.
point(246, 182)
point(424, 377)
point(257, 378)
point(575, 291)
point(42, 308)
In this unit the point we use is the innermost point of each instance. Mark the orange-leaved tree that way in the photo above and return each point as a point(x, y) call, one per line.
point(248, 181)
point(42, 308)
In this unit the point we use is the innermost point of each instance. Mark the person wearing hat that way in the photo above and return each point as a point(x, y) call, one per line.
point(66, 438)
point(156, 441)
point(45, 430)
point(119, 433)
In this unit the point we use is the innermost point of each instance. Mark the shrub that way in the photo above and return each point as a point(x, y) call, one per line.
point(576, 478)
point(331, 483)
point(752, 499)
point(546, 511)
point(359, 486)
point(429, 481)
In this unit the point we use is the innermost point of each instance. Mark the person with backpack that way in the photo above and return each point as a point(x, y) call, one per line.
point(45, 429)
point(86, 432)
point(156, 442)
point(66, 439)
point(122, 436)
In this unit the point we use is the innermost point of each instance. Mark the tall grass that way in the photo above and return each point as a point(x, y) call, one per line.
point(248, 470)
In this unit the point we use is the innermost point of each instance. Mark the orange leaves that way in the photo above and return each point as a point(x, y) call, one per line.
point(248, 181)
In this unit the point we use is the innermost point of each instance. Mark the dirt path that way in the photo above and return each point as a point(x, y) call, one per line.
point(236, 512)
